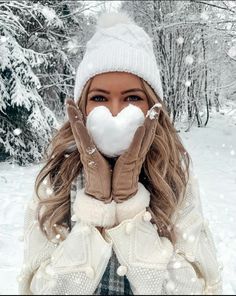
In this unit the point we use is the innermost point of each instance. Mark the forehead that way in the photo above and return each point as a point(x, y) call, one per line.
point(120, 80)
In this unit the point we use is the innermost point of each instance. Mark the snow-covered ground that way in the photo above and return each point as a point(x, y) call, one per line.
point(213, 150)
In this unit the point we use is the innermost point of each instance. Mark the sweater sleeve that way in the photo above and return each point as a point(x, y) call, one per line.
point(155, 266)
point(72, 266)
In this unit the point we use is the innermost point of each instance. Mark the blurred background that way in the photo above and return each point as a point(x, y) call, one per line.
point(41, 45)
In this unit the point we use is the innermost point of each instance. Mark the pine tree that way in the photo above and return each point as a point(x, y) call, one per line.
point(26, 124)
point(42, 43)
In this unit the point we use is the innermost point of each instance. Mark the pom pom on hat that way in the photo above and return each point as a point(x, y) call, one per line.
point(107, 19)
point(118, 44)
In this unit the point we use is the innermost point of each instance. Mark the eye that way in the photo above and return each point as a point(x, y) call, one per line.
point(97, 99)
point(134, 98)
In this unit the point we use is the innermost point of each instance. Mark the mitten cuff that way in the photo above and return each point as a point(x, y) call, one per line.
point(131, 207)
point(93, 211)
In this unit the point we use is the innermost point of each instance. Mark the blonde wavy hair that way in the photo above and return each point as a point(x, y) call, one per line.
point(165, 172)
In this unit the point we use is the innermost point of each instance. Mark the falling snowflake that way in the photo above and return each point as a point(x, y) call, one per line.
point(91, 150)
point(232, 152)
point(187, 83)
point(92, 163)
point(232, 51)
point(189, 60)
point(204, 16)
point(180, 40)
point(45, 181)
point(191, 238)
point(3, 39)
point(72, 46)
point(17, 131)
point(184, 235)
point(49, 191)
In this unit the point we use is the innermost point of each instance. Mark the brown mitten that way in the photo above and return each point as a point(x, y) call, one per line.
point(97, 169)
point(128, 165)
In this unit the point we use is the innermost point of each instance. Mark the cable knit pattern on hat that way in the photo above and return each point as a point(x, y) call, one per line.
point(118, 45)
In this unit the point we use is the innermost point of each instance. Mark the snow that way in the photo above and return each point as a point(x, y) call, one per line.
point(180, 40)
point(204, 16)
point(152, 113)
point(113, 134)
point(48, 13)
point(187, 83)
point(189, 59)
point(17, 131)
point(232, 51)
point(215, 165)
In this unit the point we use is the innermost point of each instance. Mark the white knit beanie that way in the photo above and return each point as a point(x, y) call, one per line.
point(118, 45)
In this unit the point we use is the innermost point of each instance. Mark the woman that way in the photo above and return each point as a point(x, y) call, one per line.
point(110, 221)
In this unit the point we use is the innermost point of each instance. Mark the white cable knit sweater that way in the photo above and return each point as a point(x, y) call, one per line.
point(151, 263)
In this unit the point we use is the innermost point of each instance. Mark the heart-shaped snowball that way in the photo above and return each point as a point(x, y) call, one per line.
point(112, 135)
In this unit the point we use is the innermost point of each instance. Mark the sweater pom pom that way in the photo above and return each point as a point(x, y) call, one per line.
point(110, 19)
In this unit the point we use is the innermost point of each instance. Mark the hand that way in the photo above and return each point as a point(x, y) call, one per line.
point(97, 169)
point(128, 165)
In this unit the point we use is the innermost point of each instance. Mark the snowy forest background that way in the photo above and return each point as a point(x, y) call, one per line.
point(41, 45)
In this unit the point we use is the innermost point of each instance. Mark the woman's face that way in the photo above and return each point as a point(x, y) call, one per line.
point(116, 90)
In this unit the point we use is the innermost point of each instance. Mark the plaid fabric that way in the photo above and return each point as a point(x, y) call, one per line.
point(111, 283)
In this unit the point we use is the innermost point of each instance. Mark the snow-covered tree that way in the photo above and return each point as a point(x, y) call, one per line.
point(26, 124)
point(184, 36)
point(41, 43)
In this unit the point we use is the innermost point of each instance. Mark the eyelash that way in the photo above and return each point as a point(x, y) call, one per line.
point(93, 98)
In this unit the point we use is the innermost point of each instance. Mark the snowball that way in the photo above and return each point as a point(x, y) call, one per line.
point(113, 134)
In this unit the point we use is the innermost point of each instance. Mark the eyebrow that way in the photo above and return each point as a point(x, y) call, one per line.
point(123, 92)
